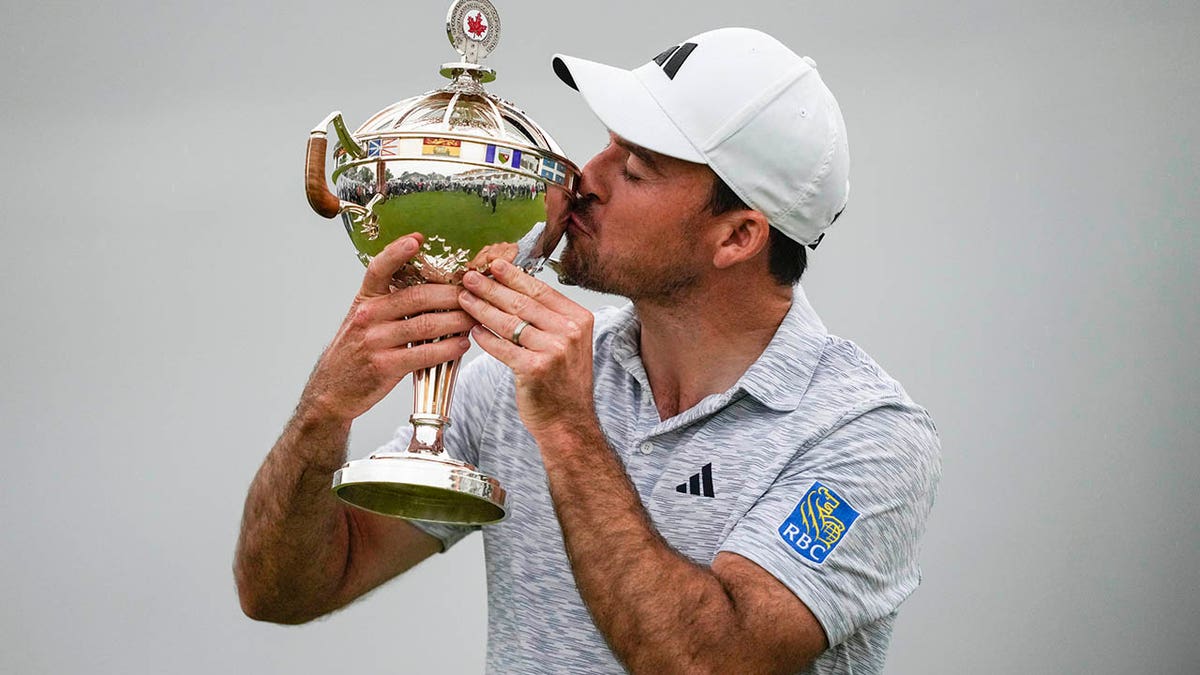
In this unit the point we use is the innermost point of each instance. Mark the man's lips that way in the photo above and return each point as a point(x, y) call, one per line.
point(578, 224)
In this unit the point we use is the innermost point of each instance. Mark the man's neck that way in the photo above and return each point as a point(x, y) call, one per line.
point(700, 345)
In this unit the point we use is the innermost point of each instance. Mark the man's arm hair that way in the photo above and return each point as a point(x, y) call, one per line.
point(659, 611)
point(302, 553)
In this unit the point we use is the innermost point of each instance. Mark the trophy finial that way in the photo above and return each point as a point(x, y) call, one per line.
point(473, 27)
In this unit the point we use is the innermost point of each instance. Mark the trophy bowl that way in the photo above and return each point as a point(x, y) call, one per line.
point(481, 181)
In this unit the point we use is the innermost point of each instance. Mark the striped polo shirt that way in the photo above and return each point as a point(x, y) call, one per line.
point(815, 465)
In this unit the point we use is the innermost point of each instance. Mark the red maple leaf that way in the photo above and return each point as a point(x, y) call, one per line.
point(475, 25)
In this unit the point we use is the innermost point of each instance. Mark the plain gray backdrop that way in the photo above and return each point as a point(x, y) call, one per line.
point(1019, 251)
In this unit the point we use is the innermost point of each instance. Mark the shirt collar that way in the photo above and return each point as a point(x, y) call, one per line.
point(780, 375)
point(625, 333)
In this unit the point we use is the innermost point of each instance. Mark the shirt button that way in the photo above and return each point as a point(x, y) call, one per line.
point(647, 448)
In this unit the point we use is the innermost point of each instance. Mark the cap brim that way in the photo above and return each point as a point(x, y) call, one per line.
point(624, 105)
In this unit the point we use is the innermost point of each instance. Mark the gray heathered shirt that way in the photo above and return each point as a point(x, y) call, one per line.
point(815, 465)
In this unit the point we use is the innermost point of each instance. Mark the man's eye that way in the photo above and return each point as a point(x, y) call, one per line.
point(629, 176)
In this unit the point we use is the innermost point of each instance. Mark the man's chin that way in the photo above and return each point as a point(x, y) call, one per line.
point(577, 266)
point(570, 265)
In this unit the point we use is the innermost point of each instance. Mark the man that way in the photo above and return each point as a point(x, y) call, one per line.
point(702, 481)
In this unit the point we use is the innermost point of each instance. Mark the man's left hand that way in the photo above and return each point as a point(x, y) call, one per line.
point(552, 361)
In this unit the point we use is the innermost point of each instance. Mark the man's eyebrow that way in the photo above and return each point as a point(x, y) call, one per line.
point(647, 156)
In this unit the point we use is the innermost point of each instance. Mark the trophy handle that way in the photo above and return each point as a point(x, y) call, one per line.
point(320, 198)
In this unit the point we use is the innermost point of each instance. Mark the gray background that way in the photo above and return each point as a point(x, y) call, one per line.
point(1019, 251)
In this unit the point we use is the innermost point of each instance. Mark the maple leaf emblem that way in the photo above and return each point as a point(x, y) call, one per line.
point(476, 26)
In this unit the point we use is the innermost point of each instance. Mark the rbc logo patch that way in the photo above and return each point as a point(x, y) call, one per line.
point(818, 523)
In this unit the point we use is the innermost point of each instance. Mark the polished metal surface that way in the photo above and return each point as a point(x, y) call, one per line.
point(421, 487)
point(480, 180)
point(473, 200)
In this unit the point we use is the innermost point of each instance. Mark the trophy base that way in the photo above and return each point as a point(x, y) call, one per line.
point(419, 486)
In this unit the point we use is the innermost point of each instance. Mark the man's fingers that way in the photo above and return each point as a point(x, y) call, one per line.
point(407, 359)
point(429, 326)
point(507, 300)
point(378, 279)
point(412, 300)
point(504, 350)
point(504, 324)
point(517, 279)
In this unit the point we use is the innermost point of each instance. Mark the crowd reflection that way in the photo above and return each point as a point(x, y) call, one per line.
point(489, 186)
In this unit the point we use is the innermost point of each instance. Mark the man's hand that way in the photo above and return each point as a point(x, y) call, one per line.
point(384, 337)
point(552, 364)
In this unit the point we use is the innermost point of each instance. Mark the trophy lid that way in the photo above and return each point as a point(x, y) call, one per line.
point(473, 27)
point(463, 108)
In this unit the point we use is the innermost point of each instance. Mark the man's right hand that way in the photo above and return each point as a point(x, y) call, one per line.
point(385, 337)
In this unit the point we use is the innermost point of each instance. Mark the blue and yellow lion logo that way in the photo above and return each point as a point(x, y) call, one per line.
point(818, 523)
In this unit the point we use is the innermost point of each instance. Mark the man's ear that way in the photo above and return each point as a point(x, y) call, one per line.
point(742, 234)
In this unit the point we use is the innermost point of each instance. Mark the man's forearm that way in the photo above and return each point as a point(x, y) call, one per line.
point(292, 552)
point(659, 611)
point(302, 553)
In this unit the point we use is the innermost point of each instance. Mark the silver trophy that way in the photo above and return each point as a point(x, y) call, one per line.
point(480, 180)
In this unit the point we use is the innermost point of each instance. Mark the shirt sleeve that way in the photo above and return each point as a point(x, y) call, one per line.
point(473, 396)
point(841, 524)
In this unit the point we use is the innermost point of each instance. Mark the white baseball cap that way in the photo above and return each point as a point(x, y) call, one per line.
point(741, 102)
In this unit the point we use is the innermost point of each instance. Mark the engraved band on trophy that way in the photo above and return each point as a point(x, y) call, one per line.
point(480, 180)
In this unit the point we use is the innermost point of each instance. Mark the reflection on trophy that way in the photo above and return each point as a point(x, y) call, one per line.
point(480, 180)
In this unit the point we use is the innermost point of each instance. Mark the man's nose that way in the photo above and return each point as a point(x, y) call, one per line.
point(593, 183)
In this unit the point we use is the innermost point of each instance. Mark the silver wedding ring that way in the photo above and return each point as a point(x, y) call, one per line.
point(516, 338)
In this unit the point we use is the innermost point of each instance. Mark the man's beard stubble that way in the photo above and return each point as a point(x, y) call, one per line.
point(663, 281)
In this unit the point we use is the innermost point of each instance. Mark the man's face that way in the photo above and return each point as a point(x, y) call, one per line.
point(635, 231)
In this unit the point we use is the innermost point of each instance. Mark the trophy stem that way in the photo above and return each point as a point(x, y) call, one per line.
point(424, 483)
point(433, 389)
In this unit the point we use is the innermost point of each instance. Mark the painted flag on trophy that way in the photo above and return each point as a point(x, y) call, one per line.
point(554, 170)
point(497, 154)
point(450, 147)
point(381, 147)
